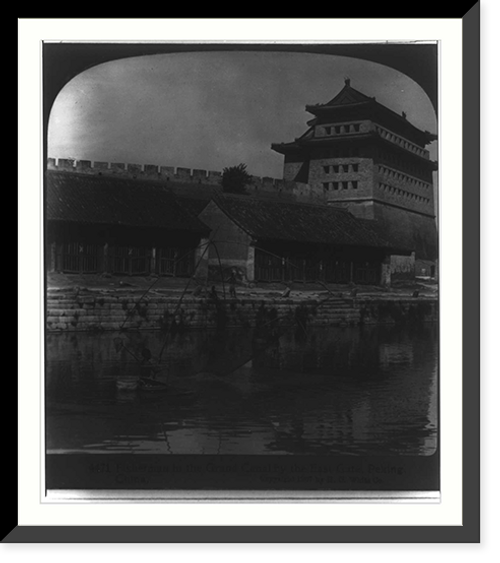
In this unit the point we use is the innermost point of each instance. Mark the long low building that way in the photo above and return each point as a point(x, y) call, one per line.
point(125, 226)
point(120, 226)
point(277, 241)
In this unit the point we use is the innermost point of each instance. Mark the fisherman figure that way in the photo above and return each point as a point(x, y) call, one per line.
point(177, 325)
point(148, 369)
point(286, 293)
point(353, 289)
point(232, 284)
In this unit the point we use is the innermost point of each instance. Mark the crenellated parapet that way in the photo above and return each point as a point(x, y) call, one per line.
point(130, 170)
point(259, 186)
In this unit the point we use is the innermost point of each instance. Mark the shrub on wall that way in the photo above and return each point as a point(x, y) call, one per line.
point(235, 179)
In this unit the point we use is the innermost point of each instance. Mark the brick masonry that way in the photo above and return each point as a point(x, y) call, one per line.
point(185, 179)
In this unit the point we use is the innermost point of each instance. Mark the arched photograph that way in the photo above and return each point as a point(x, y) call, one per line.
point(242, 268)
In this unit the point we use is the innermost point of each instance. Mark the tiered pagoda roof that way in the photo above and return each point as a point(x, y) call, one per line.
point(350, 103)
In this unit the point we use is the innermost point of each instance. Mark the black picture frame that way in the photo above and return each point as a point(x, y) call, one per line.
point(469, 532)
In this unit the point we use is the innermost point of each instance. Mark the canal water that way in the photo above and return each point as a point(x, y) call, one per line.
point(358, 391)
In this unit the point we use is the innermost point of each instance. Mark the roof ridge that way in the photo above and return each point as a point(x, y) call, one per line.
point(358, 97)
point(346, 90)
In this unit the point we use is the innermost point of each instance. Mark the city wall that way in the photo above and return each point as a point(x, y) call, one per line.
point(178, 177)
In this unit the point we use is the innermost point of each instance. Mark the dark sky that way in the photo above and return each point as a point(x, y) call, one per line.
point(213, 109)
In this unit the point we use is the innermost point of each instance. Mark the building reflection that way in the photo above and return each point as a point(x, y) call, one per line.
point(353, 390)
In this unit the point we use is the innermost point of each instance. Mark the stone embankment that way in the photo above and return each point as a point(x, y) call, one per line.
point(97, 310)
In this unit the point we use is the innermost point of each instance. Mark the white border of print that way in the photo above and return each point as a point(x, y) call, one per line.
point(31, 509)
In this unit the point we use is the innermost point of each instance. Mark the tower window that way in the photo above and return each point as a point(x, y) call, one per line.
point(355, 185)
point(326, 169)
point(336, 168)
point(328, 130)
point(337, 129)
point(345, 185)
point(355, 167)
point(356, 127)
point(335, 185)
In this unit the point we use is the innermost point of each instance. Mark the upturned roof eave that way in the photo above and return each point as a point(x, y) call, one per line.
point(325, 108)
point(299, 144)
point(322, 109)
point(283, 148)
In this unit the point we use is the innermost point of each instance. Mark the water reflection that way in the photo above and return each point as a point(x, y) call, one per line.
point(369, 391)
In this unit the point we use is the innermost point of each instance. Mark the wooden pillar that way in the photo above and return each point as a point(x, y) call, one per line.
point(251, 263)
point(53, 257)
point(385, 274)
point(105, 258)
point(152, 264)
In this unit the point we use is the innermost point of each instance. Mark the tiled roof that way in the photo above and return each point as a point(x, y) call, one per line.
point(194, 203)
point(403, 236)
point(94, 199)
point(298, 222)
point(349, 95)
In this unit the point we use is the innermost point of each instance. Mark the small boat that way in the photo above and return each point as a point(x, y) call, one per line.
point(127, 383)
point(150, 384)
point(153, 386)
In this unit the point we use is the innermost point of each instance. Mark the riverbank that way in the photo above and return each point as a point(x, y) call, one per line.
point(149, 304)
point(57, 281)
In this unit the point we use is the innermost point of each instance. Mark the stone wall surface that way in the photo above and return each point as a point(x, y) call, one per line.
point(415, 231)
point(99, 311)
point(187, 181)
